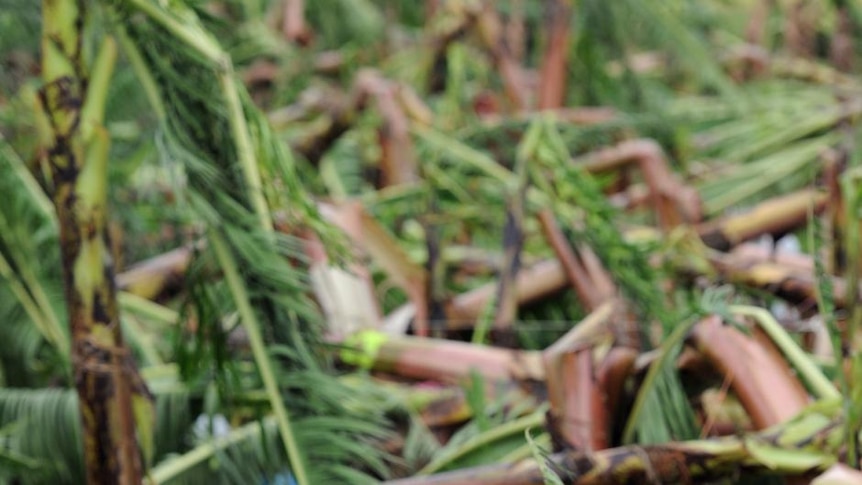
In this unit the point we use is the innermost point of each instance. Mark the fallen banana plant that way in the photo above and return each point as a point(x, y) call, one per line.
point(803, 446)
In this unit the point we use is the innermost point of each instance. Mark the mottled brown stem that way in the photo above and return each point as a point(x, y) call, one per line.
point(105, 377)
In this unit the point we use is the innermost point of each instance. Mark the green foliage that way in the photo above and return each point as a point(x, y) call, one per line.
point(202, 137)
point(420, 444)
point(196, 147)
point(842, 341)
point(341, 22)
point(44, 427)
point(475, 395)
point(472, 446)
point(20, 27)
point(31, 300)
point(541, 457)
point(616, 31)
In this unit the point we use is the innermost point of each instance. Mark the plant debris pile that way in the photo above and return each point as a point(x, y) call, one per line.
point(466, 241)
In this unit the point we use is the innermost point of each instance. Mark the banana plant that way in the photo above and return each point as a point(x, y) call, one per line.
point(110, 390)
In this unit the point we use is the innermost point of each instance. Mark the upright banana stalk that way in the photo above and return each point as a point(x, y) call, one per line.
point(78, 155)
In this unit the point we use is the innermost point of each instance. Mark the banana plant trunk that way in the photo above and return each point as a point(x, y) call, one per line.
point(77, 151)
